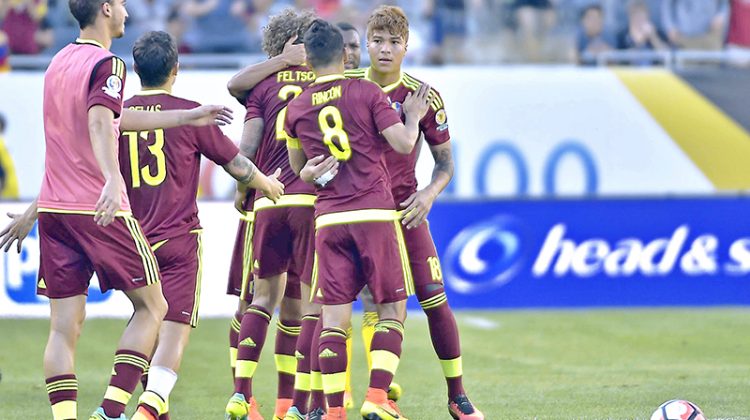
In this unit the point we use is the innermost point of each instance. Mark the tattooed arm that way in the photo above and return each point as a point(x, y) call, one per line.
point(417, 207)
point(248, 176)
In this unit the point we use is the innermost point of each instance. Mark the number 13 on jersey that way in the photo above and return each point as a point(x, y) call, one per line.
point(157, 150)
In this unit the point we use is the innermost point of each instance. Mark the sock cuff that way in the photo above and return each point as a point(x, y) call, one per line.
point(62, 383)
point(331, 333)
point(236, 324)
point(260, 311)
point(434, 301)
point(311, 317)
point(131, 357)
point(289, 327)
point(387, 325)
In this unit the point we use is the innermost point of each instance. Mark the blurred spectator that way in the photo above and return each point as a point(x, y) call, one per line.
point(8, 179)
point(148, 15)
point(641, 33)
point(212, 28)
point(534, 20)
point(592, 38)
point(448, 30)
point(4, 53)
point(695, 24)
point(738, 39)
point(23, 21)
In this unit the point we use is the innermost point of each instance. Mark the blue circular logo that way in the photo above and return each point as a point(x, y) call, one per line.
point(484, 256)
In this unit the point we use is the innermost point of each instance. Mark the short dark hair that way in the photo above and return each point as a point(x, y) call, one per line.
point(324, 44)
point(85, 11)
point(3, 124)
point(155, 56)
point(346, 26)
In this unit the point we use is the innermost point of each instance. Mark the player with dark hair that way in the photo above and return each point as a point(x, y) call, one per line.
point(85, 221)
point(352, 45)
point(283, 232)
point(387, 40)
point(161, 170)
point(357, 234)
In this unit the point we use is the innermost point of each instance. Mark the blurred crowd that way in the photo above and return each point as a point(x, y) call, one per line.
point(442, 31)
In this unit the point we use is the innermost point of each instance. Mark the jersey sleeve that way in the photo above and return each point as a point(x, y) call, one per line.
point(253, 107)
point(382, 113)
point(434, 125)
point(213, 144)
point(107, 84)
point(292, 140)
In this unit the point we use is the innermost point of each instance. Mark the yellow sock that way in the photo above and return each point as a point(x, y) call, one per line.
point(349, 361)
point(368, 331)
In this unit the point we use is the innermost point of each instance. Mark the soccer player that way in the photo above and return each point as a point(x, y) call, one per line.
point(161, 170)
point(240, 273)
point(357, 232)
point(282, 233)
point(387, 39)
point(85, 223)
point(352, 46)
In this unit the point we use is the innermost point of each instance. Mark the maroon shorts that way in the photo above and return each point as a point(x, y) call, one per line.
point(283, 242)
point(350, 256)
point(180, 265)
point(423, 258)
point(72, 247)
point(240, 274)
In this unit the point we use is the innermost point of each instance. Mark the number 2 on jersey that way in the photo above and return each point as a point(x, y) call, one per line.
point(335, 131)
point(157, 149)
point(284, 94)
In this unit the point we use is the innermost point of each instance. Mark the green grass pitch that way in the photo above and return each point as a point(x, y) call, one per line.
point(585, 364)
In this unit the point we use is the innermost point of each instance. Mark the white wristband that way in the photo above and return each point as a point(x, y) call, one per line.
point(324, 179)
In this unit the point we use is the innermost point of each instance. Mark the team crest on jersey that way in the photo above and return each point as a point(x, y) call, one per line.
point(113, 86)
point(442, 120)
point(395, 105)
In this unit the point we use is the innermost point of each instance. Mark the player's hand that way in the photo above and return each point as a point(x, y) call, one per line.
point(318, 167)
point(418, 103)
point(416, 208)
point(274, 189)
point(239, 199)
point(17, 230)
point(208, 115)
point(294, 54)
point(109, 202)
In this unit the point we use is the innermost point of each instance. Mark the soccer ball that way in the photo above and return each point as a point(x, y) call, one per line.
point(678, 410)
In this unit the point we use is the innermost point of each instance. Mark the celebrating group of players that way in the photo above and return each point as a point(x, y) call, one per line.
point(339, 217)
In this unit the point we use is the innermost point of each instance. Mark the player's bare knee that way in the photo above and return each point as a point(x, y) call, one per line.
point(395, 310)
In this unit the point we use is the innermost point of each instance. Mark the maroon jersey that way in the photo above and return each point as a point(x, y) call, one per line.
point(345, 118)
point(161, 167)
point(433, 126)
point(268, 100)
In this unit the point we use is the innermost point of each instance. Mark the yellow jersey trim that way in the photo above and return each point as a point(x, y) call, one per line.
point(150, 92)
point(291, 200)
point(328, 78)
point(89, 41)
point(356, 216)
point(386, 88)
point(158, 245)
point(248, 216)
point(120, 213)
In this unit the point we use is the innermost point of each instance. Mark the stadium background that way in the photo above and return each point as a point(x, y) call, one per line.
point(608, 190)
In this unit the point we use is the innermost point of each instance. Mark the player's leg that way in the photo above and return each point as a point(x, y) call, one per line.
point(370, 318)
point(287, 332)
point(304, 353)
point(180, 261)
point(332, 356)
point(126, 262)
point(271, 253)
point(238, 284)
point(66, 321)
point(64, 275)
point(337, 280)
point(428, 284)
point(390, 285)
